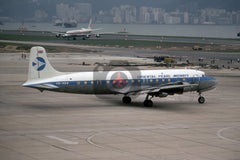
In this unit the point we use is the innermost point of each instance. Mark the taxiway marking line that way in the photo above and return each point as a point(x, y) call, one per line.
point(62, 140)
point(89, 140)
point(219, 134)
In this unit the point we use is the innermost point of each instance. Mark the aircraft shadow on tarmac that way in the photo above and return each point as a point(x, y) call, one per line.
point(176, 105)
point(105, 101)
point(158, 106)
point(163, 106)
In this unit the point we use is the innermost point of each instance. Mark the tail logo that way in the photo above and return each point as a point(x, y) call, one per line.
point(39, 64)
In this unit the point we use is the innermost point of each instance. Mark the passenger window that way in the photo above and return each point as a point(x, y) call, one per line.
point(98, 82)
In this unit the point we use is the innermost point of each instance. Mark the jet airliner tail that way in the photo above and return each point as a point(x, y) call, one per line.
point(39, 66)
point(90, 24)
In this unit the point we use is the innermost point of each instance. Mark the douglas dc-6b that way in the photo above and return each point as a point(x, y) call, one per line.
point(153, 83)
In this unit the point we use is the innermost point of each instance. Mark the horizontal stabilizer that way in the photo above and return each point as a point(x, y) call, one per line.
point(41, 86)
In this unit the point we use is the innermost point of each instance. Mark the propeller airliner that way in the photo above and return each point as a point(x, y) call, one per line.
point(152, 83)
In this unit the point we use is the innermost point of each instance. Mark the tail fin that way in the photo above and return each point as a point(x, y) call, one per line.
point(90, 24)
point(39, 66)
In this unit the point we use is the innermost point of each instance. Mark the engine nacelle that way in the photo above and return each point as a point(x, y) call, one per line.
point(58, 35)
point(159, 94)
point(166, 92)
point(175, 91)
point(98, 35)
point(162, 94)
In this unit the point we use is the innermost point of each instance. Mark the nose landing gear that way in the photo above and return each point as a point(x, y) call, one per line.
point(201, 99)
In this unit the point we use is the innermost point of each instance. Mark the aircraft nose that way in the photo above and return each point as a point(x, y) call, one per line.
point(213, 82)
point(208, 84)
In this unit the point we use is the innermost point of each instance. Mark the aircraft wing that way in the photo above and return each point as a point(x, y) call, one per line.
point(58, 32)
point(163, 88)
point(97, 29)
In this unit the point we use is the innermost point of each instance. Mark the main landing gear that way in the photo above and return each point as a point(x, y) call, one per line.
point(126, 100)
point(147, 102)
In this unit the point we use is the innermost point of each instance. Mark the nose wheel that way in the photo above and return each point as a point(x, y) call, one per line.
point(201, 100)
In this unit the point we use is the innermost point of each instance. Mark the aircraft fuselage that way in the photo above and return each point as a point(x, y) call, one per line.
point(106, 83)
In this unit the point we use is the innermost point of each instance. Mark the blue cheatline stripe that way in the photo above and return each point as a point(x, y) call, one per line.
point(128, 81)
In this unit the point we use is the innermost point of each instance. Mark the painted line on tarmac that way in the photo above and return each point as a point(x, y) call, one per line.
point(62, 140)
point(219, 134)
point(89, 140)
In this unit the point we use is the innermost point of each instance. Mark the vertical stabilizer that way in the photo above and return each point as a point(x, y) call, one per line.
point(90, 24)
point(39, 66)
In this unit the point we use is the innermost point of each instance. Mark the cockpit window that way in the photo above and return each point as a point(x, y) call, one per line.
point(200, 74)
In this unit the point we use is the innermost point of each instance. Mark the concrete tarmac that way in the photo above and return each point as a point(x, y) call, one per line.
point(48, 125)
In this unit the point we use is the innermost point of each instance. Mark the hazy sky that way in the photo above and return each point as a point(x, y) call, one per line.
point(26, 8)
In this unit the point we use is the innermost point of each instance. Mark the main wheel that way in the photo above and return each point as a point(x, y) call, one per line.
point(148, 103)
point(126, 100)
point(201, 100)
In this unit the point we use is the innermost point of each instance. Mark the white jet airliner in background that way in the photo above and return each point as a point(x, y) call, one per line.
point(84, 33)
point(153, 83)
